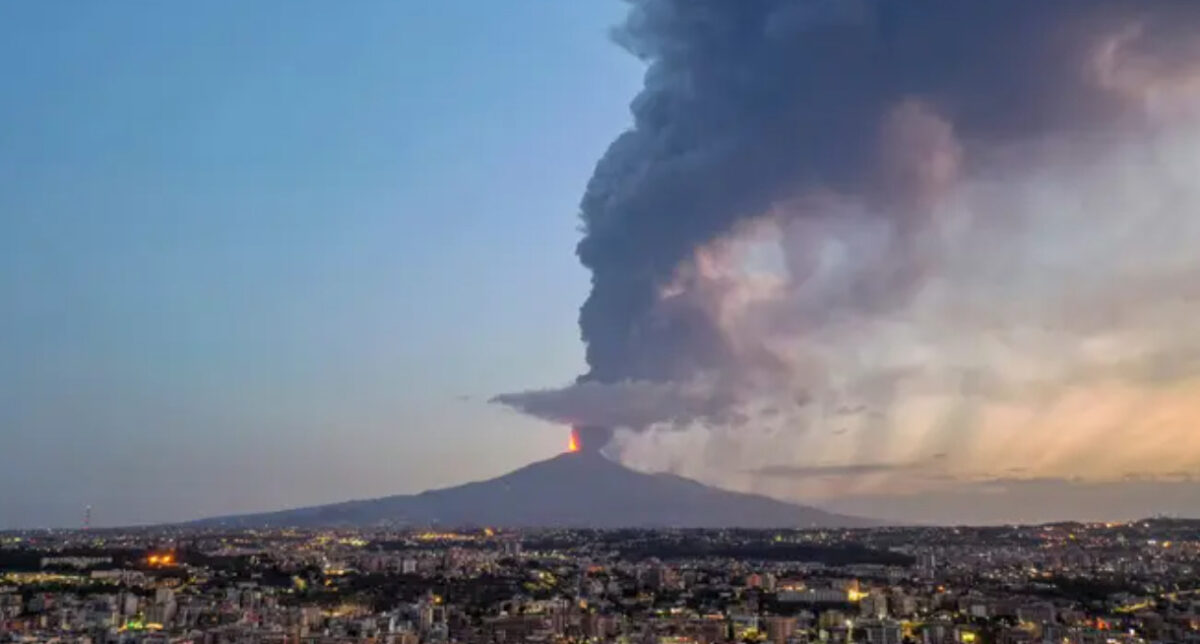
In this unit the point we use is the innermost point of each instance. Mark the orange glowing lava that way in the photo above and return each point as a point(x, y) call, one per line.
point(573, 442)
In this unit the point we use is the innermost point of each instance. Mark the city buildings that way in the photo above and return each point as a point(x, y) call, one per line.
point(1073, 583)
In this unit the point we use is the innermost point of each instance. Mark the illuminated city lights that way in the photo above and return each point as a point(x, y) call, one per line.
point(966, 585)
point(161, 559)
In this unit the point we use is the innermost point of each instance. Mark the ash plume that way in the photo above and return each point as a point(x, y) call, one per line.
point(592, 438)
point(808, 211)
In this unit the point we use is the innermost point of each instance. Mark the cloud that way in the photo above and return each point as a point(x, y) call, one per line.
point(747, 106)
point(810, 471)
point(1038, 500)
point(626, 404)
point(964, 229)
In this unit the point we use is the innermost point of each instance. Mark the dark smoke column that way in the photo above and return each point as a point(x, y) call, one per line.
point(671, 183)
point(592, 439)
point(750, 103)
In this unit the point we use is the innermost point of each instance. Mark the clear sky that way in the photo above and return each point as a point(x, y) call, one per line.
point(257, 255)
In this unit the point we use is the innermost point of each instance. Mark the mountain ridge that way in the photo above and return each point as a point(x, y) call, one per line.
point(574, 489)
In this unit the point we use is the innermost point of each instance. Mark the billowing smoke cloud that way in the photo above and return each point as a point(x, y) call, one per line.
point(893, 222)
point(625, 403)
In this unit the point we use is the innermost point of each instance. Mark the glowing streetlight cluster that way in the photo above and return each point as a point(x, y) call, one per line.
point(161, 559)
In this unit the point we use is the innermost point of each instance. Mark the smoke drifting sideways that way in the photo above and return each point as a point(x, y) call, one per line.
point(874, 230)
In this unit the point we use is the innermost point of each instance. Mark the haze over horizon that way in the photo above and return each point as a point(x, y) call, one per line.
point(257, 257)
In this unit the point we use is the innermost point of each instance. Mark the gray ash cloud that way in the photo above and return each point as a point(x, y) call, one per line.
point(770, 110)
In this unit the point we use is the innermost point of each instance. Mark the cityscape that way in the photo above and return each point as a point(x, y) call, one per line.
point(1072, 583)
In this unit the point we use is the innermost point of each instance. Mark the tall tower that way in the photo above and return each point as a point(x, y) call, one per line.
point(87, 517)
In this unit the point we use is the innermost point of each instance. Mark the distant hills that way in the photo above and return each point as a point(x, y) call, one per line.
point(576, 489)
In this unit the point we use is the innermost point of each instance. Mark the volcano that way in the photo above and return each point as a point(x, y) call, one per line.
point(581, 489)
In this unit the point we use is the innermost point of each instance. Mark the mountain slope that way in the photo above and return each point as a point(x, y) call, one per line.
point(581, 489)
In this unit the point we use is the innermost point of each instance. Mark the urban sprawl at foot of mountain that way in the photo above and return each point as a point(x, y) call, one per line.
point(1069, 582)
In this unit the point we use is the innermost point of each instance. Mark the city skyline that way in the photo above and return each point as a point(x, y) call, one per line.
point(1130, 583)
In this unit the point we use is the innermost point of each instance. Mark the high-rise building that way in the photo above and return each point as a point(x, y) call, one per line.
point(780, 628)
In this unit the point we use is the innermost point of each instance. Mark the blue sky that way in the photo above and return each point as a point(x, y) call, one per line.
point(255, 255)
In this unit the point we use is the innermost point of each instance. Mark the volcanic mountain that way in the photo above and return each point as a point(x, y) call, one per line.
point(575, 489)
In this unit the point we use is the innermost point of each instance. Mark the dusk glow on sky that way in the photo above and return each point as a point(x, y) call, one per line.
point(263, 255)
